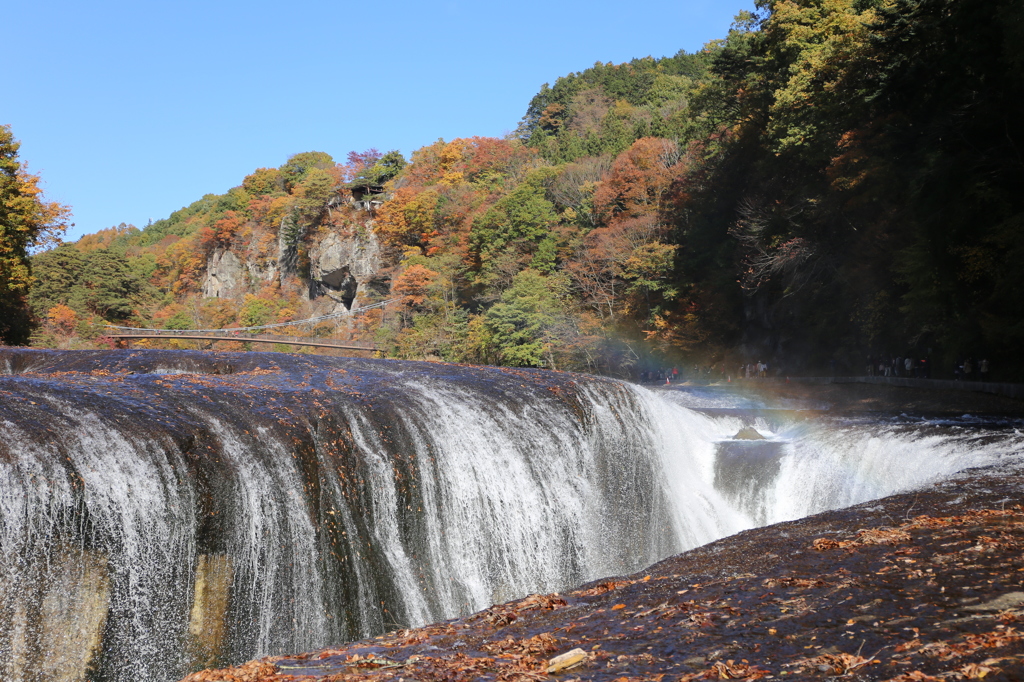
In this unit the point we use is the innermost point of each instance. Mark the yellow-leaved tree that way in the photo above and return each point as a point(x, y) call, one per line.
point(27, 221)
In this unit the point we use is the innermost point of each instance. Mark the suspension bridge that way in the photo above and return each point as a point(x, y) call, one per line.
point(253, 334)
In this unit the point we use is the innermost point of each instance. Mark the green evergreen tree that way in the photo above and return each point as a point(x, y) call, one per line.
point(57, 272)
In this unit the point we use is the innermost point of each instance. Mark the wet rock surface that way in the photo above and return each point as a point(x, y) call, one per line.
point(150, 375)
point(922, 586)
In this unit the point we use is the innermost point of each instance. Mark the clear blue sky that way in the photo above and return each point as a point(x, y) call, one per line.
point(131, 110)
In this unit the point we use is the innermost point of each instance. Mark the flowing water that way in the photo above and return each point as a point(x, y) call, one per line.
point(162, 511)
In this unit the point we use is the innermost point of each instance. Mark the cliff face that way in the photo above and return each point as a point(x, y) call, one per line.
point(354, 254)
point(224, 275)
point(359, 254)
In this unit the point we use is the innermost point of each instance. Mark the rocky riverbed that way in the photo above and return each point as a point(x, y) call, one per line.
point(922, 586)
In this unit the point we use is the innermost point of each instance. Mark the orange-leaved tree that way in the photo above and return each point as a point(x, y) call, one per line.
point(412, 284)
point(639, 180)
point(63, 319)
point(221, 232)
point(625, 263)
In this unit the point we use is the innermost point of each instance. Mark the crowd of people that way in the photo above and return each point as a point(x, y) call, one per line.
point(899, 366)
point(908, 366)
point(717, 372)
point(758, 370)
point(674, 374)
point(969, 369)
point(966, 369)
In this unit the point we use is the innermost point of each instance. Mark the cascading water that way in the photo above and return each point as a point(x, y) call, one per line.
point(809, 463)
point(162, 511)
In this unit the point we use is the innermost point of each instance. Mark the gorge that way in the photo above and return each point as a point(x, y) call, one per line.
point(164, 511)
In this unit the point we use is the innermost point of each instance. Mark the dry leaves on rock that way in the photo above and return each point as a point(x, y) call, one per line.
point(968, 645)
point(602, 588)
point(838, 664)
point(974, 671)
point(915, 676)
point(728, 670)
point(260, 371)
point(504, 614)
point(997, 518)
point(969, 671)
point(868, 536)
point(882, 536)
point(664, 610)
point(793, 582)
point(540, 645)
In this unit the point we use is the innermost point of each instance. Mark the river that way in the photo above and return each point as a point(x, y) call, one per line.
point(162, 511)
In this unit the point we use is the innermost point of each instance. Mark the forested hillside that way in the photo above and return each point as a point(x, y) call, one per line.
point(831, 181)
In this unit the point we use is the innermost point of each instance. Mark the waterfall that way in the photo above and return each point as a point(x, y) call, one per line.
point(162, 511)
point(810, 463)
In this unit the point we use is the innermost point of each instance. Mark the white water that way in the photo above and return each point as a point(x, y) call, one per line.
point(466, 501)
point(831, 463)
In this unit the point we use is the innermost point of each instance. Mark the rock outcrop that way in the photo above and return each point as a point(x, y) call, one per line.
point(748, 433)
point(359, 254)
point(340, 266)
point(224, 273)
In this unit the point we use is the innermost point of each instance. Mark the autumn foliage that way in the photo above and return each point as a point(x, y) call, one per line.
point(27, 221)
point(827, 182)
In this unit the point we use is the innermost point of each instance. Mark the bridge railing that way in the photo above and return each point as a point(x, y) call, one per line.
point(248, 334)
point(184, 335)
